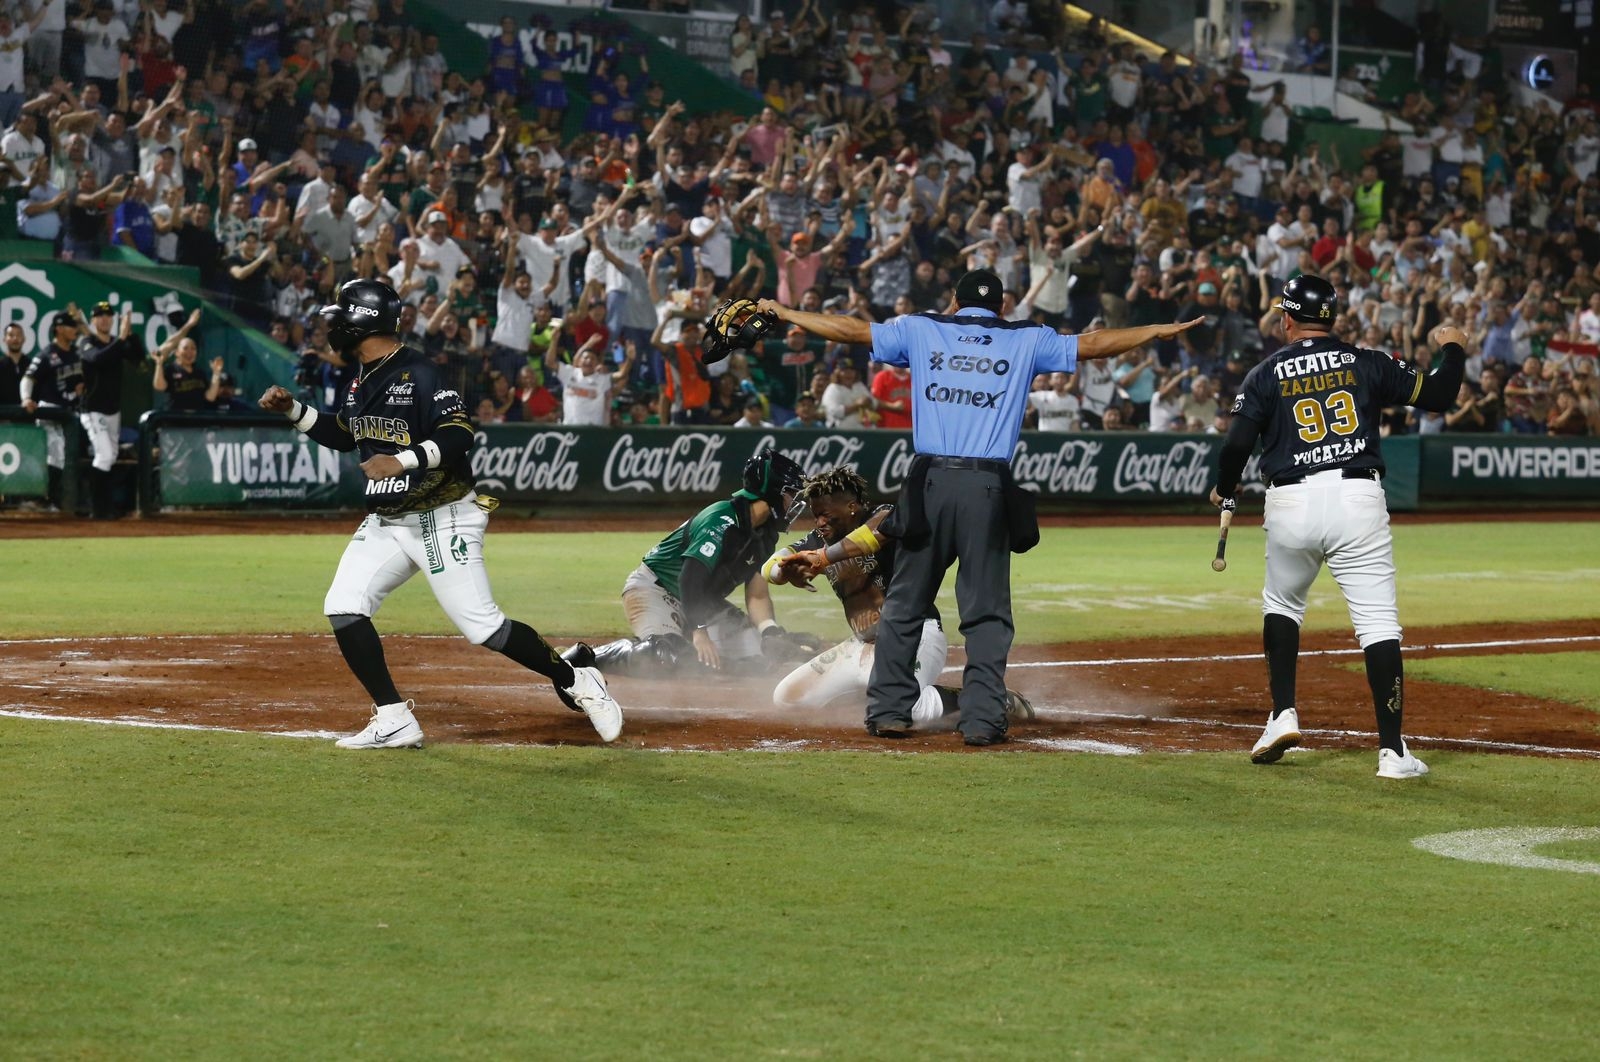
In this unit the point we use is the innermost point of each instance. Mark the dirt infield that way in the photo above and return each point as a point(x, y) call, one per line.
point(1121, 697)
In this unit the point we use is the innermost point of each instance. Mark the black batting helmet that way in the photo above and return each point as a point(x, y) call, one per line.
point(364, 308)
point(1310, 299)
point(775, 479)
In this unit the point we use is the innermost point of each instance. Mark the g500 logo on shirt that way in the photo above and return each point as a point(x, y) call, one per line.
point(967, 363)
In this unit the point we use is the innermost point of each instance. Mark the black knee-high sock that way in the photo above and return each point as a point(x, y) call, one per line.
point(362, 650)
point(1280, 638)
point(527, 647)
point(1386, 676)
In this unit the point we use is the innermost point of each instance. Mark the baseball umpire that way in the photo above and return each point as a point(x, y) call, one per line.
point(970, 374)
point(1315, 407)
point(413, 435)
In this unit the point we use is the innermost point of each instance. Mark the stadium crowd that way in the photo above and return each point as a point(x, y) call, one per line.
point(557, 248)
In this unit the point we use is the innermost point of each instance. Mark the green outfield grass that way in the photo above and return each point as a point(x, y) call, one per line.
point(1570, 677)
point(185, 895)
point(1078, 584)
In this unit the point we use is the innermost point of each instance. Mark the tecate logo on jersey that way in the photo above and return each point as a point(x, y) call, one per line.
point(961, 396)
point(1316, 361)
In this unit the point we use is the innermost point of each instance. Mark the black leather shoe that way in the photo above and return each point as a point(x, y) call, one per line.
point(889, 730)
point(984, 740)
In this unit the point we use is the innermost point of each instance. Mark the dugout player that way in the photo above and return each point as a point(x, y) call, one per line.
point(848, 547)
point(413, 436)
point(676, 601)
point(970, 375)
point(1315, 406)
point(55, 378)
point(103, 354)
point(180, 378)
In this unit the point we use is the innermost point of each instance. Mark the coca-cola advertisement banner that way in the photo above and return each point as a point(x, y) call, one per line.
point(270, 466)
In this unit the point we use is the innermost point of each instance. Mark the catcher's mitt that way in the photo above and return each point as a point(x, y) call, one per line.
point(735, 325)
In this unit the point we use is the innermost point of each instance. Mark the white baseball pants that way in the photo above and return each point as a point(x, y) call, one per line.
point(445, 544)
point(102, 429)
point(846, 669)
point(1344, 522)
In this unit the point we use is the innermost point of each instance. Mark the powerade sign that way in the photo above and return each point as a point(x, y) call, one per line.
point(1500, 466)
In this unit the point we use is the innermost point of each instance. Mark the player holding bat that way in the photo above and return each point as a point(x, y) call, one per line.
point(1314, 406)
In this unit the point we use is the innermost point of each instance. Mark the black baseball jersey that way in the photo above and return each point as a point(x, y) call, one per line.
point(1318, 403)
point(57, 375)
point(400, 402)
point(102, 370)
point(860, 580)
point(11, 379)
point(186, 387)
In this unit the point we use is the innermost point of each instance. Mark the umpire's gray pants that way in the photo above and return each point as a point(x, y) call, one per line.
point(967, 522)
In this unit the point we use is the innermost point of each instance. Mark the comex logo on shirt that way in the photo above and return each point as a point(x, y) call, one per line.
point(961, 396)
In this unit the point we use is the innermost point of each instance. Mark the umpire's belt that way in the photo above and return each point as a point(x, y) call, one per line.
point(1349, 473)
point(980, 464)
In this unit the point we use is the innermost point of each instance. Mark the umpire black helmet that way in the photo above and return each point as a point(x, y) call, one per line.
point(775, 479)
point(364, 308)
point(1310, 300)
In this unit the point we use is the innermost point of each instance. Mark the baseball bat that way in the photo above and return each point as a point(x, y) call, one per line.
point(1221, 562)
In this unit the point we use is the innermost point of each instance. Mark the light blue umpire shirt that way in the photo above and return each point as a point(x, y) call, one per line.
point(970, 376)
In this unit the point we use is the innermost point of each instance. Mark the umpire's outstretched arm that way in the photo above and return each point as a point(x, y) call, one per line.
point(1106, 343)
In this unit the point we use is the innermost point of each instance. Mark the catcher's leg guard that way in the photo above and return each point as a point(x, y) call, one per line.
point(660, 654)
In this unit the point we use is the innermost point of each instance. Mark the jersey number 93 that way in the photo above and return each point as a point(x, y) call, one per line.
point(1314, 422)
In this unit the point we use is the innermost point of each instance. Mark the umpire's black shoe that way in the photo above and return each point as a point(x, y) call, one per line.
point(984, 740)
point(580, 655)
point(889, 730)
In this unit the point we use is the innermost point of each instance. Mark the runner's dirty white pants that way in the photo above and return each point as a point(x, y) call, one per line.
point(846, 669)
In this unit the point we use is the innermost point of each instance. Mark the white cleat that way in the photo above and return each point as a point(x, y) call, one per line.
point(392, 727)
point(588, 692)
point(1281, 735)
point(1403, 765)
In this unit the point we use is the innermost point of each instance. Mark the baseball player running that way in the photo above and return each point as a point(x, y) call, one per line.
point(413, 436)
point(1315, 406)
point(677, 599)
point(848, 547)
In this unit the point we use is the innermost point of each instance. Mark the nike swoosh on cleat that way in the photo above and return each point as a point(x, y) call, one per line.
point(390, 734)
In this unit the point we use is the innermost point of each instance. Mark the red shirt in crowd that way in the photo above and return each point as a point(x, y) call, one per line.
point(893, 387)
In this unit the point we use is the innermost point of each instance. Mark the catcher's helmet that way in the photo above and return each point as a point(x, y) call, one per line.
point(364, 308)
point(1310, 299)
point(775, 479)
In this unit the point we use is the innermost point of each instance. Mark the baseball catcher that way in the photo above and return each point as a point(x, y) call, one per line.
point(849, 547)
point(735, 324)
point(677, 599)
point(423, 514)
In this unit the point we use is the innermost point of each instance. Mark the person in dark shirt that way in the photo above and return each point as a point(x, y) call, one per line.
point(13, 363)
point(414, 439)
point(1207, 224)
point(103, 353)
point(1200, 342)
point(197, 242)
point(178, 374)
